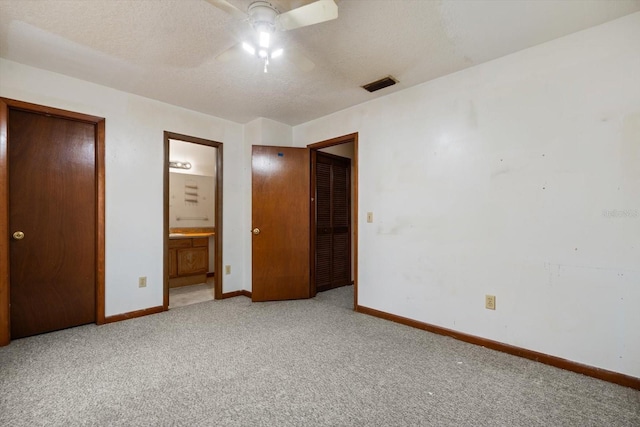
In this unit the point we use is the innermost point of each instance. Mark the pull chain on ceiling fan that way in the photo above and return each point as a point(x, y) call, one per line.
point(266, 20)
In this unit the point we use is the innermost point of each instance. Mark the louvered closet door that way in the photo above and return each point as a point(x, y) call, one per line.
point(333, 221)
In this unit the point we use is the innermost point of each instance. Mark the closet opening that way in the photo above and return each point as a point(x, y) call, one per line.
point(334, 216)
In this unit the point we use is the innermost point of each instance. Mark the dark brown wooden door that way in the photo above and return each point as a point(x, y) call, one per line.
point(52, 200)
point(332, 221)
point(280, 211)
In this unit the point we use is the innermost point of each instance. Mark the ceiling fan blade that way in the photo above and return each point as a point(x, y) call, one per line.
point(314, 13)
point(231, 54)
point(299, 60)
point(229, 8)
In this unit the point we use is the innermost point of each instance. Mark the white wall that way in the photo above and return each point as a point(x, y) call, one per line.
point(518, 178)
point(343, 150)
point(196, 209)
point(262, 131)
point(202, 157)
point(134, 177)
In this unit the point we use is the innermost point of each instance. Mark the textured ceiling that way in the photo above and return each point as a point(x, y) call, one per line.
point(166, 49)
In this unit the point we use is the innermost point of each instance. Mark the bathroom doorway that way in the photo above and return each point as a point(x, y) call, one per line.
point(192, 220)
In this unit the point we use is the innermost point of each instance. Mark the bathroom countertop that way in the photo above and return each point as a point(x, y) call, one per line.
point(189, 235)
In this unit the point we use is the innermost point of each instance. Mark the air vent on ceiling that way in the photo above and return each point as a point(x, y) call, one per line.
point(380, 84)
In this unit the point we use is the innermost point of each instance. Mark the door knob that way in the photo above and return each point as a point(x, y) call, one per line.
point(18, 235)
point(256, 231)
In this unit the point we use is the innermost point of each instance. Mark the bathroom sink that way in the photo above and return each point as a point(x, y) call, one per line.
point(189, 235)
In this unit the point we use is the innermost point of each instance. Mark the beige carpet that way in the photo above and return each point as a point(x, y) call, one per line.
point(308, 363)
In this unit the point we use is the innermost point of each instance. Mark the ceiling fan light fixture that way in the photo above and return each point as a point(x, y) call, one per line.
point(246, 46)
point(265, 20)
point(262, 16)
point(264, 39)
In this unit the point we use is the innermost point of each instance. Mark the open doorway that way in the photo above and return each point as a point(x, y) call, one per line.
point(192, 220)
point(334, 243)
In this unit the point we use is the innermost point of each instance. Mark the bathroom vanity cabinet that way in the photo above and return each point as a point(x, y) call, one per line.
point(188, 260)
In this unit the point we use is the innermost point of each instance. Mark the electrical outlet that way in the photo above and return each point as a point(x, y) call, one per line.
point(490, 302)
point(142, 282)
point(227, 269)
point(369, 216)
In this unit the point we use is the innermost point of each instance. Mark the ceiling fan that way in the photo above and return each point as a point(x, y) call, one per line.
point(266, 20)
